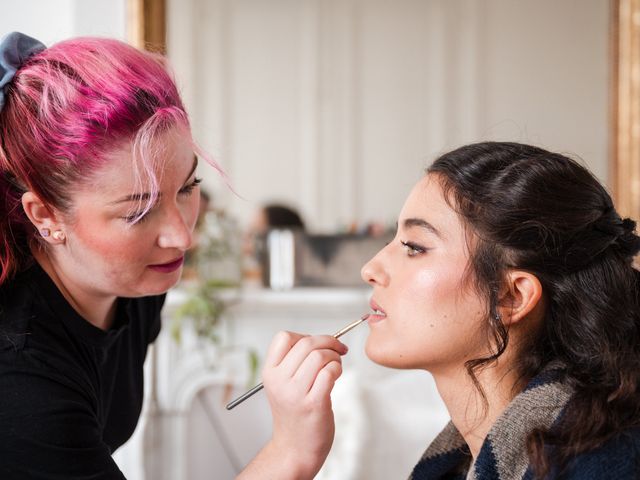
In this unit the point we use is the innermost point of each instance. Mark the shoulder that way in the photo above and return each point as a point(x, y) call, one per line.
point(617, 459)
point(48, 423)
point(16, 311)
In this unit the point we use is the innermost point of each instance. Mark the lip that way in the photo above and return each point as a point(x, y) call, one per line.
point(373, 317)
point(168, 267)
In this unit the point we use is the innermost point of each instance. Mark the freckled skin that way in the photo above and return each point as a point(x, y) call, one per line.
point(433, 320)
point(104, 255)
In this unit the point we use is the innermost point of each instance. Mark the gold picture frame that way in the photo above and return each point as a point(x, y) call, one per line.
point(147, 24)
point(625, 107)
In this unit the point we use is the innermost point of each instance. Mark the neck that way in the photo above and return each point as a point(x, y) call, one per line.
point(471, 415)
point(99, 310)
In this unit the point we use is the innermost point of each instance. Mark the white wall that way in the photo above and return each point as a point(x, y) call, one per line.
point(546, 76)
point(337, 105)
point(53, 20)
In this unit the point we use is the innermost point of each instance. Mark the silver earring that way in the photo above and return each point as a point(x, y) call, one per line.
point(45, 232)
point(58, 235)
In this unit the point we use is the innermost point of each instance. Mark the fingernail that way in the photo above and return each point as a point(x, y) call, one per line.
point(345, 348)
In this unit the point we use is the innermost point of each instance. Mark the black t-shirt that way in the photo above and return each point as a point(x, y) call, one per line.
point(70, 393)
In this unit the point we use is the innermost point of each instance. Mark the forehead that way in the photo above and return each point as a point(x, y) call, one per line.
point(425, 198)
point(128, 169)
point(426, 201)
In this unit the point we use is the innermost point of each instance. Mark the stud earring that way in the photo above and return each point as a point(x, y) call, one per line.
point(58, 235)
point(45, 232)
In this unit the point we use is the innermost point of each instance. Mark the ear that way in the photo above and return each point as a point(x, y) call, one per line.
point(41, 215)
point(523, 298)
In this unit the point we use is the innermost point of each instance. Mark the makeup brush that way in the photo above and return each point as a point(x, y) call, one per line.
point(260, 386)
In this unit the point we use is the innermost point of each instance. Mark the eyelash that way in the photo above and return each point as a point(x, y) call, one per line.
point(136, 219)
point(412, 249)
point(188, 189)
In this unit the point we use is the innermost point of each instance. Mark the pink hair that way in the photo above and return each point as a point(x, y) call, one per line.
point(67, 108)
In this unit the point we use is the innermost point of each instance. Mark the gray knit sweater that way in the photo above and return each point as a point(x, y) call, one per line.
point(503, 455)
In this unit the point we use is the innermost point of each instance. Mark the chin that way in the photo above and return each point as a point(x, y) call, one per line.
point(166, 280)
point(396, 358)
point(155, 288)
point(160, 289)
point(382, 357)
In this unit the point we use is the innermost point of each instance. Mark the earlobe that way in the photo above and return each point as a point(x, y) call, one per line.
point(523, 299)
point(40, 215)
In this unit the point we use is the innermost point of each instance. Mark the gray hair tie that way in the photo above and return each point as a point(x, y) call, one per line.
point(15, 49)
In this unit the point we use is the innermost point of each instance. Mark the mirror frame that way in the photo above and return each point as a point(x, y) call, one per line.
point(625, 107)
point(147, 27)
point(147, 24)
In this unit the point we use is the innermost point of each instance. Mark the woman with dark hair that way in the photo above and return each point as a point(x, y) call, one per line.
point(510, 280)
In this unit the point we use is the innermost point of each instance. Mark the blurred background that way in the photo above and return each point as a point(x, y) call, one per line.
point(337, 106)
point(323, 114)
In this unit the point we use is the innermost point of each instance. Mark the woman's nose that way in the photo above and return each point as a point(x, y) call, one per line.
point(373, 272)
point(177, 231)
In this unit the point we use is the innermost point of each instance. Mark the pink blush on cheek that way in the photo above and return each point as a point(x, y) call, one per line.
point(103, 244)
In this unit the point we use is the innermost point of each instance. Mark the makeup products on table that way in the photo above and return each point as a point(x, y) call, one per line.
point(260, 386)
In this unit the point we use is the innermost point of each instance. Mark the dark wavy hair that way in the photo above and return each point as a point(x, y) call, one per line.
point(542, 212)
point(279, 216)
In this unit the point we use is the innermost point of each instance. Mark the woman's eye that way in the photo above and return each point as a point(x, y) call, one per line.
point(135, 218)
point(139, 217)
point(412, 249)
point(188, 189)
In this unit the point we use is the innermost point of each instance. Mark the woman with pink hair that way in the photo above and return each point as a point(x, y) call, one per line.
point(98, 202)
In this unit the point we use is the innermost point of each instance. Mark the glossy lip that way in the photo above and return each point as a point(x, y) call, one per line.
point(168, 267)
point(372, 316)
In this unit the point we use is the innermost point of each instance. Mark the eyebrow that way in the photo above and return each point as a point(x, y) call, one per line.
point(419, 222)
point(146, 196)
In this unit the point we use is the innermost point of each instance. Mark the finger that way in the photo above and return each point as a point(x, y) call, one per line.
point(301, 350)
point(325, 380)
point(306, 374)
point(281, 345)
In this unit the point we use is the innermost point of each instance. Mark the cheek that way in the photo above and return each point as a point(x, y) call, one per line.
point(431, 295)
point(102, 240)
point(438, 308)
point(193, 209)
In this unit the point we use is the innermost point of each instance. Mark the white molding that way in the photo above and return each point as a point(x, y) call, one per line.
point(308, 98)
